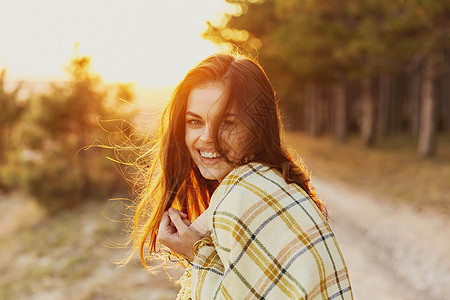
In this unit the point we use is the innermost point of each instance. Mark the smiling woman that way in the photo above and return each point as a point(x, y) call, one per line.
point(203, 106)
point(134, 40)
point(224, 194)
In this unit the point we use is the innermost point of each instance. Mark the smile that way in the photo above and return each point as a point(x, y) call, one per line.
point(209, 154)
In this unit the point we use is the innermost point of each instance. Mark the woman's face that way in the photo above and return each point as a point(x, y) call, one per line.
point(201, 112)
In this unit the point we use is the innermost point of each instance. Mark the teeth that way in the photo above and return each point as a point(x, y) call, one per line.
point(209, 154)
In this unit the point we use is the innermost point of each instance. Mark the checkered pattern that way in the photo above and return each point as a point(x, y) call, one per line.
point(269, 241)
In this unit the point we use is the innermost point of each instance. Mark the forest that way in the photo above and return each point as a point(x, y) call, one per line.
point(370, 68)
point(54, 145)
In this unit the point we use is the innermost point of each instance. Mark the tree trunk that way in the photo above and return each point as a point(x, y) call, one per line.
point(382, 124)
point(299, 113)
point(368, 113)
point(320, 93)
point(414, 101)
point(315, 110)
point(329, 116)
point(427, 132)
point(309, 109)
point(446, 104)
point(446, 94)
point(340, 111)
point(442, 95)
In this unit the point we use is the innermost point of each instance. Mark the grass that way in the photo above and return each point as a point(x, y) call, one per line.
point(67, 257)
point(392, 171)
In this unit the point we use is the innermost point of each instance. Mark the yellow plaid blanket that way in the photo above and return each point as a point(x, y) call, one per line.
point(268, 241)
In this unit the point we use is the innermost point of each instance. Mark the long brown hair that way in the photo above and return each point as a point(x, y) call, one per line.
point(173, 180)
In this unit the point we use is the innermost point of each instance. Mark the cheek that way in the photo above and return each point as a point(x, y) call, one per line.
point(188, 138)
point(236, 140)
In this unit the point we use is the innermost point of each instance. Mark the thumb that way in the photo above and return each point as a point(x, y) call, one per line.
point(177, 221)
point(182, 215)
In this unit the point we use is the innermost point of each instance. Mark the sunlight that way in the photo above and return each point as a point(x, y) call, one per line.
point(152, 43)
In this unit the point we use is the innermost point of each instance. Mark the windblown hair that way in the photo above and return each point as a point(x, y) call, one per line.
point(173, 180)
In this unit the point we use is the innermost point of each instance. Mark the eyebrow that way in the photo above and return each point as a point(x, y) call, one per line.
point(190, 113)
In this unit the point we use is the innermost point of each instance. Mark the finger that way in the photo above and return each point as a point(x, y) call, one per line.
point(165, 220)
point(182, 214)
point(178, 222)
point(187, 222)
point(166, 227)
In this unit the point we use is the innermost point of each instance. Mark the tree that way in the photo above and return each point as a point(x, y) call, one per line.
point(427, 134)
point(314, 43)
point(304, 44)
point(340, 98)
point(58, 128)
point(10, 112)
point(367, 113)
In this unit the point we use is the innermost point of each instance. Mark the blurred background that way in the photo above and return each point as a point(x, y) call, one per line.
point(364, 88)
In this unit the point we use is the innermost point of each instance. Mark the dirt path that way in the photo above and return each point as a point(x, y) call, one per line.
point(392, 252)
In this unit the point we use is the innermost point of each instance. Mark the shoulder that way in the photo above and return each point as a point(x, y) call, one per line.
point(251, 176)
point(247, 180)
point(255, 183)
point(258, 188)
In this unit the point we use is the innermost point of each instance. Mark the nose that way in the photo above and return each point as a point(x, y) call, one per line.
point(206, 135)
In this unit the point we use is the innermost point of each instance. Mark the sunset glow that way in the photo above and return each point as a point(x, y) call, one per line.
point(152, 43)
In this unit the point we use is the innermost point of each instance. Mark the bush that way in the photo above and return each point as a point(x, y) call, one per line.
point(53, 157)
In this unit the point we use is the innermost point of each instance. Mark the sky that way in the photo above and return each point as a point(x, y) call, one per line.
point(149, 42)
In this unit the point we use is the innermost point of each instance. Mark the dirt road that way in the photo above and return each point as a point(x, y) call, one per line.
point(392, 252)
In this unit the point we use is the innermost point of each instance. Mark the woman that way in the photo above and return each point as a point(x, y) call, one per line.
point(262, 232)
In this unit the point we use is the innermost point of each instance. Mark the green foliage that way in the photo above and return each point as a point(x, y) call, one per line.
point(10, 112)
point(328, 61)
point(324, 40)
point(57, 159)
point(9, 104)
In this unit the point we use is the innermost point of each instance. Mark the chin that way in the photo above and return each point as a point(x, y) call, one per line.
point(209, 174)
point(217, 173)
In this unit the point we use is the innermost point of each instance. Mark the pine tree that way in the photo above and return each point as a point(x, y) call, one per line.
point(10, 112)
point(60, 168)
point(304, 43)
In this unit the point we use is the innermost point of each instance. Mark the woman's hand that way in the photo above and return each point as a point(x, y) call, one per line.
point(174, 232)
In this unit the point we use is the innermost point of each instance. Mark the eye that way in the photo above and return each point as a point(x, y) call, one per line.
point(226, 123)
point(194, 122)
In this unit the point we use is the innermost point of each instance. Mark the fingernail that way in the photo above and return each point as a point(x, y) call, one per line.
point(171, 210)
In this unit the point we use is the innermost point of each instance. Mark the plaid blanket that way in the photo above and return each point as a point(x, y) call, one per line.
point(268, 241)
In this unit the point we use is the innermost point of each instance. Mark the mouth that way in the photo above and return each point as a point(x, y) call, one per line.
point(209, 157)
point(206, 154)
